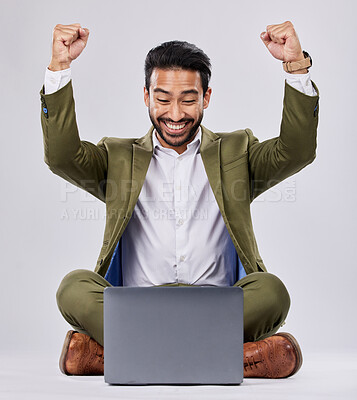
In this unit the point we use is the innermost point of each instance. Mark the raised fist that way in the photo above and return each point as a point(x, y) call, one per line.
point(68, 43)
point(282, 42)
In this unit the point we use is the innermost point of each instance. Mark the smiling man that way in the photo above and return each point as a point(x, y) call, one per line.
point(176, 103)
point(185, 219)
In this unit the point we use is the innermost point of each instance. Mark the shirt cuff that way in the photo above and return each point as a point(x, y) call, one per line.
point(56, 80)
point(301, 82)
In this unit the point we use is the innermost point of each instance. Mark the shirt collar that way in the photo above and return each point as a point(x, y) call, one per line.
point(193, 146)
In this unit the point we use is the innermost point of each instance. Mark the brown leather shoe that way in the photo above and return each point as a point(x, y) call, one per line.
point(81, 355)
point(278, 356)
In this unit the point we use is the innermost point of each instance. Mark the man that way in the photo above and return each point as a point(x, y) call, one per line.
point(178, 199)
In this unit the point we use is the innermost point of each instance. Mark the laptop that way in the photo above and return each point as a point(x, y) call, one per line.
point(173, 335)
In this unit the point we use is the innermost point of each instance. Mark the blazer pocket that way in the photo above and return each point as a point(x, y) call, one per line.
point(238, 161)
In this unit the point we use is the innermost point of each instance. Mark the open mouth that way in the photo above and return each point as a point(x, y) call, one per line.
point(175, 128)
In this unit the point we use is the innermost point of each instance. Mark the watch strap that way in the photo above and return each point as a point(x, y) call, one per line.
point(297, 65)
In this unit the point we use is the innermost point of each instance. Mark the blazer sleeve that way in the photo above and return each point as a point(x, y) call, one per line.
point(80, 162)
point(275, 159)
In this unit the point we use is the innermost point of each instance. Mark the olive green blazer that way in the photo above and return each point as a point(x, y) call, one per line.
point(239, 167)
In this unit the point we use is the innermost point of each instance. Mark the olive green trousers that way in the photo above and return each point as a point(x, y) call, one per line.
point(266, 303)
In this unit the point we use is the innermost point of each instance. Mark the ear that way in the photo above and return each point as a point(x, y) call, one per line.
point(146, 97)
point(207, 97)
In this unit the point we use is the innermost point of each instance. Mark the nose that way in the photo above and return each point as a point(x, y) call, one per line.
point(175, 112)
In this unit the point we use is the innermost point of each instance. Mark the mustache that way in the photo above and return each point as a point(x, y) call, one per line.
point(182, 121)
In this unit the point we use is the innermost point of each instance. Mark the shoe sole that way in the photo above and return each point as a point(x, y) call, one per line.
point(63, 357)
point(297, 349)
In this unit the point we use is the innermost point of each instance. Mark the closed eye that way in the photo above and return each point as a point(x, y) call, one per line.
point(189, 101)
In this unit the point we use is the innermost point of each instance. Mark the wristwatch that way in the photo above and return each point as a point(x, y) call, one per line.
point(297, 65)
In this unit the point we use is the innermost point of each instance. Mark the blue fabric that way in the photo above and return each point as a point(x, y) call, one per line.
point(114, 273)
point(241, 271)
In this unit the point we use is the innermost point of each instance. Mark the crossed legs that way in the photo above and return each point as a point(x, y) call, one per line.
point(266, 303)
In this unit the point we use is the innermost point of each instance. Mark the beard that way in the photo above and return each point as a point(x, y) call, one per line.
point(171, 140)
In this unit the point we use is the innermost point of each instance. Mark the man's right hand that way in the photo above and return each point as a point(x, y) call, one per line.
point(68, 43)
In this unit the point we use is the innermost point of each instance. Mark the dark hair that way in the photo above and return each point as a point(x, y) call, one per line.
point(176, 54)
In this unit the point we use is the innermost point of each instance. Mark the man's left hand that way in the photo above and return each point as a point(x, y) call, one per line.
point(282, 42)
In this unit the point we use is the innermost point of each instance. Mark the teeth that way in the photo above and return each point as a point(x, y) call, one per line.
point(175, 127)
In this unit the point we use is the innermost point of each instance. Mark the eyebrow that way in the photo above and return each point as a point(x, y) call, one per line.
point(190, 91)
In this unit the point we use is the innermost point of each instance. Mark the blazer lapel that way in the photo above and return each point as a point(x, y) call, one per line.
point(210, 153)
point(210, 150)
point(142, 153)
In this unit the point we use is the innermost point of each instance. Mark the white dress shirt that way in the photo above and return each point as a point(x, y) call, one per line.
point(177, 233)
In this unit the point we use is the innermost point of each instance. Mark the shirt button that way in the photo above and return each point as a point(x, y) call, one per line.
point(182, 258)
point(180, 222)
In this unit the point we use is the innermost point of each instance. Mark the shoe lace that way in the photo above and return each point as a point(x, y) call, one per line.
point(249, 362)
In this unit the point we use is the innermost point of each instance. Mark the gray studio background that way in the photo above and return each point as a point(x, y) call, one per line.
point(305, 227)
